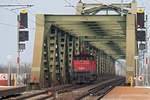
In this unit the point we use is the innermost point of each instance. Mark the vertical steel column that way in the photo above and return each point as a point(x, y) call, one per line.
point(88, 47)
point(77, 45)
point(70, 46)
point(101, 62)
point(112, 66)
point(97, 67)
point(44, 76)
point(104, 61)
point(97, 61)
point(109, 65)
point(106, 67)
point(62, 45)
point(100, 70)
point(91, 50)
point(53, 54)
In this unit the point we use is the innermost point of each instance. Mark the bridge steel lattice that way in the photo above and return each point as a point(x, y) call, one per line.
point(107, 36)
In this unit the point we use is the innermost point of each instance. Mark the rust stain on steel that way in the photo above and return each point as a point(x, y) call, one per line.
point(128, 93)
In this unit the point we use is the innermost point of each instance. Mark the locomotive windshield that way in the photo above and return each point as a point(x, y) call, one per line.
point(84, 58)
point(88, 58)
point(78, 58)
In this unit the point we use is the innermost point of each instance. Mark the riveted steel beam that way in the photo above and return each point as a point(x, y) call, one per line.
point(107, 49)
point(88, 11)
point(70, 54)
point(91, 28)
point(103, 18)
point(127, 5)
point(104, 39)
point(62, 48)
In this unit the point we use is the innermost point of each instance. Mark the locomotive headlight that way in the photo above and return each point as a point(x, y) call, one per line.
point(87, 68)
point(81, 68)
point(75, 70)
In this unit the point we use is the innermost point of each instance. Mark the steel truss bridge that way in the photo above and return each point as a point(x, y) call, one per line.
point(108, 36)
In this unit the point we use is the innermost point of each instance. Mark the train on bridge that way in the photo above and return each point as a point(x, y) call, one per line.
point(84, 68)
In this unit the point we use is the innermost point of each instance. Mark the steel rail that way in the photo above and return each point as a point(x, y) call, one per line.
point(62, 91)
point(29, 95)
point(101, 86)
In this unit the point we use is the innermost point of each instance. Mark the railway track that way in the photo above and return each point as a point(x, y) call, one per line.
point(101, 89)
point(73, 92)
point(46, 93)
point(93, 91)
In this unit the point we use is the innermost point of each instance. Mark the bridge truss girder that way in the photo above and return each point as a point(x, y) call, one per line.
point(59, 37)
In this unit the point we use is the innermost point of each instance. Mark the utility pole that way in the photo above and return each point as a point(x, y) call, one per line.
point(18, 50)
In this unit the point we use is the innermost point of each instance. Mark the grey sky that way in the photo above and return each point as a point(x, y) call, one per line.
point(8, 33)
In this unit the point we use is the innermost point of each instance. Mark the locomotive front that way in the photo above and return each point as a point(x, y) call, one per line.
point(84, 69)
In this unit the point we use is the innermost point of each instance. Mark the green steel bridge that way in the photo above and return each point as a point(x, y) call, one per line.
point(108, 36)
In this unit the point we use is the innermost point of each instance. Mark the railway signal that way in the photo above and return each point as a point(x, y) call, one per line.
point(141, 32)
point(140, 36)
point(142, 46)
point(23, 19)
point(140, 19)
point(23, 36)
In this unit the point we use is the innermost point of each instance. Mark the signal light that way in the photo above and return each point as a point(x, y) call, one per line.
point(141, 46)
point(21, 26)
point(138, 26)
point(140, 19)
point(23, 19)
point(23, 36)
point(140, 36)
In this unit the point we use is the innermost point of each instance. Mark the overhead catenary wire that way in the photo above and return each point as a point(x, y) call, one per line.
point(32, 15)
point(71, 5)
point(17, 14)
point(11, 25)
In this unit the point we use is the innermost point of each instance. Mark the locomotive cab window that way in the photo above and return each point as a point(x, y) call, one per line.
point(88, 58)
point(78, 58)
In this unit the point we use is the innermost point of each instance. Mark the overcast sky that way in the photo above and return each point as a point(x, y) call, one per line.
point(8, 23)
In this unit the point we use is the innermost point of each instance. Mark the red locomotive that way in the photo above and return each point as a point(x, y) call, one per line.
point(84, 68)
